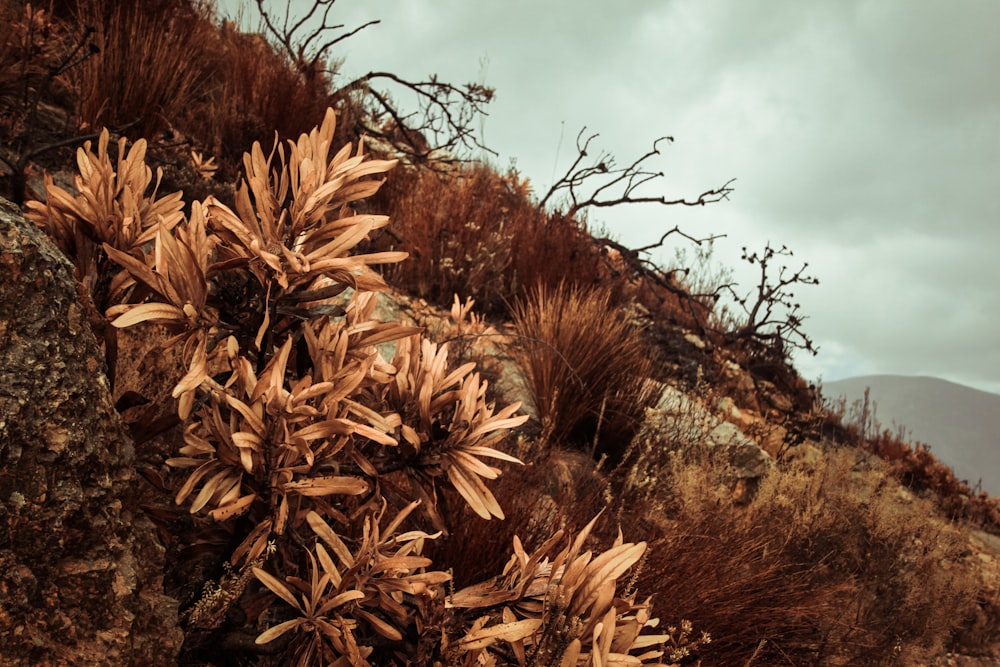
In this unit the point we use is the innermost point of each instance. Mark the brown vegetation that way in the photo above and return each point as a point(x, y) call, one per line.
point(473, 231)
point(828, 565)
point(586, 367)
point(333, 470)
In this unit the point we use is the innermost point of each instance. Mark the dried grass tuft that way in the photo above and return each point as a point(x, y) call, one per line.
point(586, 367)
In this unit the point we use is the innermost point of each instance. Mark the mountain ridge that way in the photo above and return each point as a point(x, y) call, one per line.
point(953, 419)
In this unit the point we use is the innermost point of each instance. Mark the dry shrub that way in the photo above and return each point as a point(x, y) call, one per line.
point(558, 248)
point(912, 464)
point(167, 65)
point(150, 64)
point(560, 489)
point(829, 565)
point(918, 469)
point(458, 227)
point(250, 91)
point(475, 231)
point(32, 46)
point(586, 367)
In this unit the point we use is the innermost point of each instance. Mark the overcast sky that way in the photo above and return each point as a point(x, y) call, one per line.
point(863, 135)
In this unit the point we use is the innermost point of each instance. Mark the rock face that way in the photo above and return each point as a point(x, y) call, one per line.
point(680, 420)
point(80, 567)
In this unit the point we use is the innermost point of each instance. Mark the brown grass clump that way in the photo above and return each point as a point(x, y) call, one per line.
point(586, 367)
point(166, 65)
point(149, 67)
point(830, 564)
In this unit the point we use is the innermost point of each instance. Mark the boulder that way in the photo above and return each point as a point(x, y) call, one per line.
point(80, 566)
point(681, 421)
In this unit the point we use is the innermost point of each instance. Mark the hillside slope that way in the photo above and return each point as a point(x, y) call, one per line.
point(955, 420)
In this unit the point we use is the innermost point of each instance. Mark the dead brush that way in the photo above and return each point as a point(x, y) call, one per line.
point(771, 580)
point(586, 368)
point(300, 439)
point(249, 90)
point(559, 606)
point(36, 52)
point(477, 231)
point(459, 229)
point(149, 64)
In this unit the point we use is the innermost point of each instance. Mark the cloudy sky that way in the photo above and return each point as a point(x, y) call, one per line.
point(864, 135)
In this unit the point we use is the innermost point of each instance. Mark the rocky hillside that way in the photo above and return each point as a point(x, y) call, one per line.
point(955, 421)
point(250, 419)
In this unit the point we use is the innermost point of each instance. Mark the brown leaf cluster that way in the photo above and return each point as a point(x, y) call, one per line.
point(560, 607)
point(295, 427)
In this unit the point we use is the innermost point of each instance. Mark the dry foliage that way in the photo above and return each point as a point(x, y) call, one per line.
point(561, 606)
point(830, 564)
point(114, 205)
point(476, 231)
point(299, 435)
point(917, 468)
point(148, 68)
point(914, 465)
point(250, 90)
point(586, 367)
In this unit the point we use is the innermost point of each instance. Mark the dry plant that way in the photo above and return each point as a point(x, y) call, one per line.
point(291, 416)
point(913, 464)
point(250, 90)
point(476, 231)
point(586, 368)
point(114, 205)
point(561, 606)
point(459, 229)
point(560, 490)
point(149, 65)
point(831, 563)
point(117, 209)
point(299, 435)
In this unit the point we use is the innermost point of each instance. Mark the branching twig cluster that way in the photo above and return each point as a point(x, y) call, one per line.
point(602, 184)
point(639, 266)
point(307, 50)
point(771, 315)
point(443, 125)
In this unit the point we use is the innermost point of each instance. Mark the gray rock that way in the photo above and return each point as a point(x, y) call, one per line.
point(80, 566)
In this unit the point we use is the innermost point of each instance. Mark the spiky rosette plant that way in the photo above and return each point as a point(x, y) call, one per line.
point(301, 440)
point(293, 421)
point(114, 206)
point(448, 425)
point(560, 606)
point(380, 588)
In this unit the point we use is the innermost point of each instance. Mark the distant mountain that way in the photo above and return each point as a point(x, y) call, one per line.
point(958, 422)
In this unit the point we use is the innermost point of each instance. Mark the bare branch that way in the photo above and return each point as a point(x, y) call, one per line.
point(443, 124)
point(645, 269)
point(306, 50)
point(772, 317)
point(601, 183)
